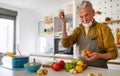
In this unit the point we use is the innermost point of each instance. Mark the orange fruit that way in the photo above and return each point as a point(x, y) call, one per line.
point(84, 53)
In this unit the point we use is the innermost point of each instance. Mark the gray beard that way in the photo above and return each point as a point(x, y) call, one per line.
point(87, 25)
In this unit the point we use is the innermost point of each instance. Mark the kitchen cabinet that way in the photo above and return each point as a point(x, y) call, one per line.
point(47, 33)
point(44, 28)
point(56, 26)
point(69, 23)
point(114, 64)
point(45, 38)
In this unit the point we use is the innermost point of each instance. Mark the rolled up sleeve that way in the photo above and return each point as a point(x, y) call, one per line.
point(71, 39)
point(108, 42)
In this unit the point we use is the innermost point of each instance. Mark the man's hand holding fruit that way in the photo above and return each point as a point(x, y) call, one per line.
point(90, 55)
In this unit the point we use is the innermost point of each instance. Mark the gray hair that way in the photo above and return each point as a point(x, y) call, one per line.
point(84, 4)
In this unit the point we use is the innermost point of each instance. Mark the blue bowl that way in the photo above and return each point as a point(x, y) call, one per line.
point(18, 62)
point(32, 68)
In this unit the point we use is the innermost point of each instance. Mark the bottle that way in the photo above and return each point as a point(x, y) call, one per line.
point(117, 36)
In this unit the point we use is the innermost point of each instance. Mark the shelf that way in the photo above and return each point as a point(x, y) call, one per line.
point(112, 21)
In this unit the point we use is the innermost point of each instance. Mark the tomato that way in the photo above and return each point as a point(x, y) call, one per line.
point(53, 64)
point(56, 67)
point(61, 63)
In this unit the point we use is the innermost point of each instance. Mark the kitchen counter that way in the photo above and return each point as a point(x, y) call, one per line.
point(23, 72)
point(114, 64)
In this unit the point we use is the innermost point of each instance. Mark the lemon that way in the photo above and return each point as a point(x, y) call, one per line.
point(80, 63)
point(78, 69)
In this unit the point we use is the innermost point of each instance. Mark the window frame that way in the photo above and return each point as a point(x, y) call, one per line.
point(10, 14)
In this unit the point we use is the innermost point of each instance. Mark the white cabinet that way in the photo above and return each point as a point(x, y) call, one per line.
point(114, 64)
point(45, 38)
point(69, 23)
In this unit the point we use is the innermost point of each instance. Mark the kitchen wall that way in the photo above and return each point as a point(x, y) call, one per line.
point(26, 29)
point(27, 32)
point(27, 26)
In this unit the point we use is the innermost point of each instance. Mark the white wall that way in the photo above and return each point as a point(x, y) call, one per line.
point(27, 32)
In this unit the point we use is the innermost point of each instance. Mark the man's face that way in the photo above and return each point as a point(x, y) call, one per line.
point(86, 15)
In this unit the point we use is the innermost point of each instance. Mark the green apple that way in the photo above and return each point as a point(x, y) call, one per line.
point(74, 61)
point(68, 66)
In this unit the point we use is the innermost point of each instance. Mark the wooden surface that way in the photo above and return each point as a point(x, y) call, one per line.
point(47, 65)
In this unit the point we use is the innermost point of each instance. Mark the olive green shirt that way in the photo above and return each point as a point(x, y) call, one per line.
point(104, 35)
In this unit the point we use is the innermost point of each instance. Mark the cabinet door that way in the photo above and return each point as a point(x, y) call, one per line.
point(69, 23)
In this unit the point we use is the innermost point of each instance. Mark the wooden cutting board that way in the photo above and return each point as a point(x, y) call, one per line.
point(47, 65)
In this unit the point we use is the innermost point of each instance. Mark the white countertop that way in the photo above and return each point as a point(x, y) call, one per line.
point(115, 60)
point(94, 70)
point(23, 72)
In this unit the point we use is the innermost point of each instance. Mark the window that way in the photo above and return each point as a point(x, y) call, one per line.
point(7, 30)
